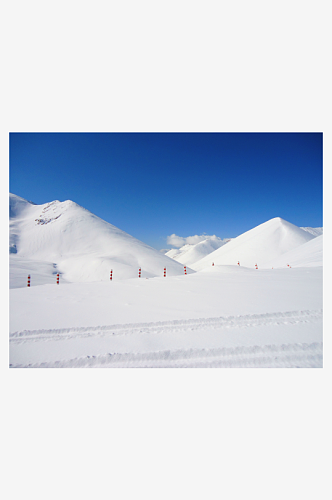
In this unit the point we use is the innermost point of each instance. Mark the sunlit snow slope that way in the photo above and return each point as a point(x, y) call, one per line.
point(263, 244)
point(66, 238)
point(309, 254)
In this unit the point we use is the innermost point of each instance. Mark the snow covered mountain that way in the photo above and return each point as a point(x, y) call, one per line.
point(262, 244)
point(66, 238)
point(189, 254)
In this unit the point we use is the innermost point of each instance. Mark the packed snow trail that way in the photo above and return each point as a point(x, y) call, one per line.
point(271, 356)
point(246, 321)
point(236, 341)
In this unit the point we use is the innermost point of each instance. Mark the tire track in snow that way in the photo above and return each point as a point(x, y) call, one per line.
point(230, 322)
point(268, 356)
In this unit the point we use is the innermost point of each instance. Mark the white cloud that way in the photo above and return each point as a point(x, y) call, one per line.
point(176, 241)
point(179, 241)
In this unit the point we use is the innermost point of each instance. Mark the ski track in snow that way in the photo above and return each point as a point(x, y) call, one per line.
point(285, 355)
point(269, 356)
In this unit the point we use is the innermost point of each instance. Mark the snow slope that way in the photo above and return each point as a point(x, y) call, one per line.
point(315, 231)
point(309, 254)
point(189, 254)
point(66, 238)
point(262, 244)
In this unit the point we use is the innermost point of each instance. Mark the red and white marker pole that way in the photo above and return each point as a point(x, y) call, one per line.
point(164, 272)
point(256, 266)
point(28, 284)
point(57, 278)
point(238, 263)
point(185, 269)
point(213, 263)
point(139, 272)
point(111, 274)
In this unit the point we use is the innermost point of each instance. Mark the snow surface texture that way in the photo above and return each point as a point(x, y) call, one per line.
point(223, 316)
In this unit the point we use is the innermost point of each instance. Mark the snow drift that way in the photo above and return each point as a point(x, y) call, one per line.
point(66, 238)
point(262, 244)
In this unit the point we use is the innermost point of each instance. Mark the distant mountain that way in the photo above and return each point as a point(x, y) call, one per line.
point(315, 231)
point(264, 243)
point(66, 238)
point(189, 254)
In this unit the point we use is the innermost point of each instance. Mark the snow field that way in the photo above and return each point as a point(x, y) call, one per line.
point(230, 316)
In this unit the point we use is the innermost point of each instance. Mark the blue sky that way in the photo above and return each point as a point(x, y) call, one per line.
point(154, 185)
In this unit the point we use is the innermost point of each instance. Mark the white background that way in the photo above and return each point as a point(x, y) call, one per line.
point(156, 66)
